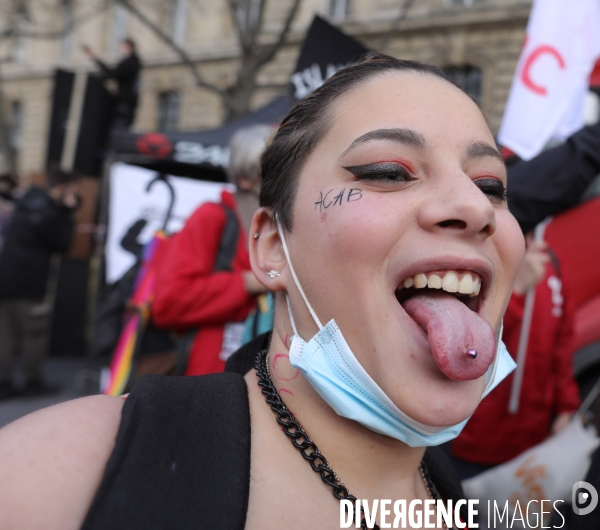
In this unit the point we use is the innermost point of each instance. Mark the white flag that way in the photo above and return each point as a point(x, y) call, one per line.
point(548, 90)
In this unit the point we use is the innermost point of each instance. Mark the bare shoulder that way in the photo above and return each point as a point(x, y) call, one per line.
point(52, 462)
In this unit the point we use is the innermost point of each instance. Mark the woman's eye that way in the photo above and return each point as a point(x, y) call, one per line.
point(493, 188)
point(383, 171)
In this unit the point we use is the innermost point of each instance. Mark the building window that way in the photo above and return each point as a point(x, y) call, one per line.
point(168, 111)
point(20, 43)
point(338, 9)
point(468, 78)
point(16, 125)
point(177, 19)
point(120, 20)
point(66, 45)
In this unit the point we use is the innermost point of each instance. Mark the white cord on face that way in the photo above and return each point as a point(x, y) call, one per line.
point(289, 261)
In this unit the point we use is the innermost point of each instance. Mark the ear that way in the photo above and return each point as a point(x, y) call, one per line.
point(266, 251)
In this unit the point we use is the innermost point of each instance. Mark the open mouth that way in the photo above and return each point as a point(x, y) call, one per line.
point(446, 305)
point(465, 286)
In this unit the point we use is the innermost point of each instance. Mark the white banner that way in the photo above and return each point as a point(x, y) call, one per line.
point(136, 214)
point(546, 100)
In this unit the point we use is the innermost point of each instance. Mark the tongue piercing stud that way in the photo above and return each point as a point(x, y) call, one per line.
point(472, 353)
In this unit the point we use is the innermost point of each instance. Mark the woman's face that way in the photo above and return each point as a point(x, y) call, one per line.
point(406, 182)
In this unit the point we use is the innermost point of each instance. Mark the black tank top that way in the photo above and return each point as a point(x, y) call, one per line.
point(182, 455)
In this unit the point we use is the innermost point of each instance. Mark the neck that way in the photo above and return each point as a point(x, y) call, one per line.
point(371, 465)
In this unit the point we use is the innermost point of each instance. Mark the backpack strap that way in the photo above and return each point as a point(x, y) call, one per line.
point(181, 459)
point(229, 239)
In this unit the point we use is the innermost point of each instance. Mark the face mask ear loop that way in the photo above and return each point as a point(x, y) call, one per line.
point(289, 261)
point(490, 381)
point(287, 299)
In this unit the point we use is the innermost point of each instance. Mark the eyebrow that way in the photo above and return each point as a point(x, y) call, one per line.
point(401, 136)
point(482, 150)
point(414, 139)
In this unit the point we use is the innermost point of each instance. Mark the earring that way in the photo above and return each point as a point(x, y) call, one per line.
point(273, 274)
point(255, 235)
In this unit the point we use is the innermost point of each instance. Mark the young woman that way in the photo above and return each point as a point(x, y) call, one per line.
point(385, 235)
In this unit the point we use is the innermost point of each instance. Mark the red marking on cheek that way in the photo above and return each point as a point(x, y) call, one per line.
point(283, 378)
point(287, 341)
point(286, 391)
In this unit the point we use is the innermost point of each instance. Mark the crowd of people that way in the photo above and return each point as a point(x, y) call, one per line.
point(374, 326)
point(39, 224)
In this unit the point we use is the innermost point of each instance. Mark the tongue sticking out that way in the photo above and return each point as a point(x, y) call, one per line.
point(453, 329)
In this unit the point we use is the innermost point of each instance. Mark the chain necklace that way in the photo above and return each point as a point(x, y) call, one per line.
point(301, 441)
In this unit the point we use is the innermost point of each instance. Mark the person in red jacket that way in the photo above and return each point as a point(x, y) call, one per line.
point(549, 394)
point(190, 295)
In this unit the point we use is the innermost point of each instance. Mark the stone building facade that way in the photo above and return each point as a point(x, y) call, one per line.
point(476, 41)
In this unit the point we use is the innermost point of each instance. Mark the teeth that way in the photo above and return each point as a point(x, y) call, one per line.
point(450, 282)
point(469, 284)
point(465, 286)
point(476, 286)
point(420, 280)
point(434, 282)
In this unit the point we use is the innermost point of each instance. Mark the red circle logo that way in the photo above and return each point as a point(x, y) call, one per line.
point(154, 145)
point(535, 54)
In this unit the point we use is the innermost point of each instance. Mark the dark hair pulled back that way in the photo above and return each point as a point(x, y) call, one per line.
point(309, 121)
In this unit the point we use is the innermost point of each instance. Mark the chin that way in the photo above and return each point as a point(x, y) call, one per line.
point(442, 402)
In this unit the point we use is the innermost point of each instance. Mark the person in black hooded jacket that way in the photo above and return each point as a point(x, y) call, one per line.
point(41, 225)
point(126, 74)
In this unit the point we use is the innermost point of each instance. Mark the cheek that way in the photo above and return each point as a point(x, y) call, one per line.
point(359, 227)
point(510, 246)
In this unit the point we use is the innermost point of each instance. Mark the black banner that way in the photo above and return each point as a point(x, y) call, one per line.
point(202, 154)
point(325, 51)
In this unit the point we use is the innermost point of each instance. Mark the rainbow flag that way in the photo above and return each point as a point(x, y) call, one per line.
point(136, 318)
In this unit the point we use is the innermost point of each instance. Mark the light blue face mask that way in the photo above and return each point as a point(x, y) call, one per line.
point(334, 372)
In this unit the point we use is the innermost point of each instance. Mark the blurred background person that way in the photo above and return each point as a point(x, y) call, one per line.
point(41, 225)
point(127, 76)
point(205, 288)
point(8, 184)
point(549, 393)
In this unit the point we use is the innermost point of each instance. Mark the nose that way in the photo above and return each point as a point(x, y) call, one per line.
point(458, 205)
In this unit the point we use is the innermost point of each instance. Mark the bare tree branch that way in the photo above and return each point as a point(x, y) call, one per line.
point(270, 52)
point(50, 35)
point(406, 5)
point(185, 58)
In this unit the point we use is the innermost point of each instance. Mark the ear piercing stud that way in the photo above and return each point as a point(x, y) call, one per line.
point(273, 274)
point(472, 353)
point(255, 235)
